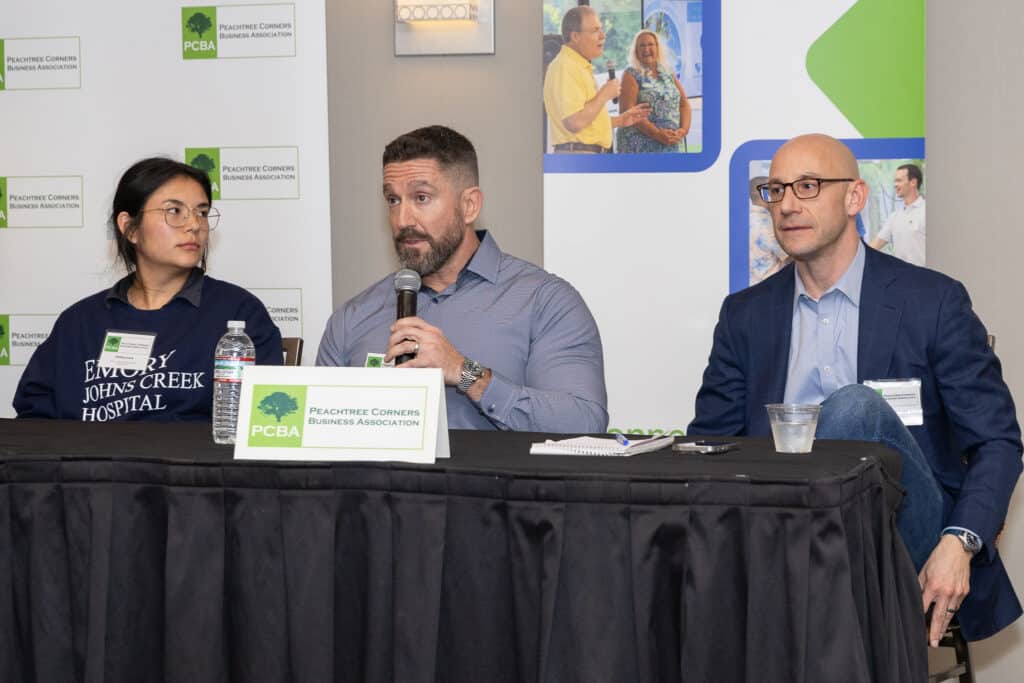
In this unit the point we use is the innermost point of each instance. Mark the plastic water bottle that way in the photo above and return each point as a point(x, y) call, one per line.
point(234, 351)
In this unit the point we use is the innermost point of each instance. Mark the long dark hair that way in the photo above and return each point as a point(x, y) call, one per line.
point(133, 191)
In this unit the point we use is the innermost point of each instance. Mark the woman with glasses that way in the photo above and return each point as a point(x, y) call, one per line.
point(143, 349)
point(650, 80)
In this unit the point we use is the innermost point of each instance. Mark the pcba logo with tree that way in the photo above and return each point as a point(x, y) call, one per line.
point(5, 344)
point(3, 202)
point(199, 32)
point(278, 405)
point(206, 159)
point(277, 415)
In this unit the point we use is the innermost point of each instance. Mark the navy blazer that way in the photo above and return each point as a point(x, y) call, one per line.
point(913, 322)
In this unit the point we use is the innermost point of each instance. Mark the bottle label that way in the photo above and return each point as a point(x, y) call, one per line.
point(229, 368)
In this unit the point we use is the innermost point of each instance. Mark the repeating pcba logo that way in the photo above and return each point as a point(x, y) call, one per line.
point(206, 159)
point(3, 67)
point(278, 415)
point(199, 32)
point(5, 340)
point(3, 199)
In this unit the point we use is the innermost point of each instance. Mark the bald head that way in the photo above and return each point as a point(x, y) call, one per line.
point(819, 228)
point(828, 157)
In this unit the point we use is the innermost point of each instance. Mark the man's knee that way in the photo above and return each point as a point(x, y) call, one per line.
point(856, 412)
point(858, 399)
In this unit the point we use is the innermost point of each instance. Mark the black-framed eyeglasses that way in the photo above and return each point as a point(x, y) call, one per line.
point(177, 216)
point(803, 188)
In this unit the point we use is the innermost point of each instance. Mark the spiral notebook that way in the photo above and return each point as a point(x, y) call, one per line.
point(592, 445)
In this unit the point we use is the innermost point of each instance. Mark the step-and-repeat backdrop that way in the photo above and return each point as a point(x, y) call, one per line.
point(86, 89)
point(655, 241)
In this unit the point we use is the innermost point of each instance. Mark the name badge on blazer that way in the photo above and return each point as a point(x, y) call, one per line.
point(903, 395)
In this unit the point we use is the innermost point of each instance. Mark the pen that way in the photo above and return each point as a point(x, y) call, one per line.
point(622, 439)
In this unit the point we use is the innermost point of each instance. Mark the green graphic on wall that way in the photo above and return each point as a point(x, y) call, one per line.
point(199, 32)
point(3, 67)
point(278, 415)
point(5, 340)
point(206, 159)
point(870, 64)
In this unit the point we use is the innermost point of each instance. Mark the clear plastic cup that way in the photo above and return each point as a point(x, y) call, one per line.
point(793, 426)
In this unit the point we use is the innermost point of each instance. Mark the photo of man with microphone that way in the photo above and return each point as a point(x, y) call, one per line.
point(577, 110)
point(518, 346)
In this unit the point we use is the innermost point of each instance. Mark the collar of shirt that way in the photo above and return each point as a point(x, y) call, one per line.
point(849, 284)
point(916, 204)
point(485, 261)
point(192, 291)
point(483, 264)
point(577, 57)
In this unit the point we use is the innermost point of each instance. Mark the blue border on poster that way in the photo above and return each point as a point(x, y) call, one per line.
point(667, 163)
point(739, 189)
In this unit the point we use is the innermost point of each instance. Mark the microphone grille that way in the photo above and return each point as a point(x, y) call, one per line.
point(407, 279)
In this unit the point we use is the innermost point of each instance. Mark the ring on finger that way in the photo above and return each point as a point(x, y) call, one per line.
point(951, 610)
point(416, 347)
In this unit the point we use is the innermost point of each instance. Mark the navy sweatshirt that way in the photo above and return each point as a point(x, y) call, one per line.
point(63, 380)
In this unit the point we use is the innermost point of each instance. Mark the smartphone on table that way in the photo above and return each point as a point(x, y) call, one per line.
point(708, 446)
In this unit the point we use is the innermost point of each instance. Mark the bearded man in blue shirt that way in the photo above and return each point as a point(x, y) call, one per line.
point(518, 346)
point(842, 314)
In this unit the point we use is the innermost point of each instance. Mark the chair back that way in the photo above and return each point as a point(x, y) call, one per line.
point(292, 350)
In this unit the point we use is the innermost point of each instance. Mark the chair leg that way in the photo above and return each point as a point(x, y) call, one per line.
point(962, 670)
point(963, 656)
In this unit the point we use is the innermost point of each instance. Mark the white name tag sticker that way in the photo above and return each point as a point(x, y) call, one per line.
point(321, 413)
point(126, 350)
point(903, 395)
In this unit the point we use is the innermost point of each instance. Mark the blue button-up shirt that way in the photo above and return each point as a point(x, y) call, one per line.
point(531, 328)
point(823, 345)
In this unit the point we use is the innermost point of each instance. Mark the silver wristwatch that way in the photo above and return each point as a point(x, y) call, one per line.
point(471, 372)
point(971, 541)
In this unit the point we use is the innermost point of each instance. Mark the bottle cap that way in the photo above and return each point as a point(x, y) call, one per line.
point(236, 324)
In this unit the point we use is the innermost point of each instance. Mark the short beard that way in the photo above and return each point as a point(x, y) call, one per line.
point(439, 252)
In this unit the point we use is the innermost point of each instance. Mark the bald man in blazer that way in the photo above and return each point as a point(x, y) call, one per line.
point(889, 320)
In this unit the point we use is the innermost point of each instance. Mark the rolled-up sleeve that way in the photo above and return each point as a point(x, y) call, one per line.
point(564, 388)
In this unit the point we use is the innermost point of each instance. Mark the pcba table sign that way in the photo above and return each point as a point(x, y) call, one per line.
point(320, 413)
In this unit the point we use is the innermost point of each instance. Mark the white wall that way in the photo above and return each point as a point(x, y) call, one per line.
point(974, 104)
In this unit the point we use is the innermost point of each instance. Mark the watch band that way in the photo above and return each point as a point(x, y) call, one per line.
point(970, 540)
point(471, 372)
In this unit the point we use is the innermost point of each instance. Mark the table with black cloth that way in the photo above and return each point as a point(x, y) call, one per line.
point(143, 552)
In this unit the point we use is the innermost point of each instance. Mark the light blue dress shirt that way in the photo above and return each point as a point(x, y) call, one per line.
point(531, 328)
point(823, 344)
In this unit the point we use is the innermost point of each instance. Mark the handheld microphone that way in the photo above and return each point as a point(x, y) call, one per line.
point(611, 76)
point(407, 285)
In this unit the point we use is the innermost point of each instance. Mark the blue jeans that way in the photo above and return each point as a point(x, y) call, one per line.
point(858, 413)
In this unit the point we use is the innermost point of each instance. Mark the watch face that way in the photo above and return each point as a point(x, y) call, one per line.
point(970, 540)
point(471, 372)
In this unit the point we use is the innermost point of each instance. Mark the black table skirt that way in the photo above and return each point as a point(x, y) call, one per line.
point(496, 566)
